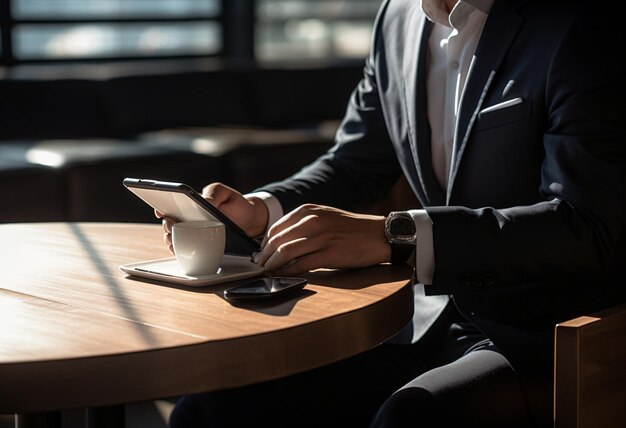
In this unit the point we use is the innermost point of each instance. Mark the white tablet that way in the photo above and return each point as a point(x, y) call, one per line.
point(180, 201)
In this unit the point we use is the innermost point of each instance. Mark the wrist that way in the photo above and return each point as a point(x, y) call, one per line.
point(382, 250)
point(260, 216)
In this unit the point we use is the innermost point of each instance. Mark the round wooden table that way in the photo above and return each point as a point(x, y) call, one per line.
point(76, 331)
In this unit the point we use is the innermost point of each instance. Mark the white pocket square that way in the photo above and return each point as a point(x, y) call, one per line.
point(501, 105)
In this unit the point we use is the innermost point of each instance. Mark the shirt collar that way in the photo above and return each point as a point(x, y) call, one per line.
point(435, 10)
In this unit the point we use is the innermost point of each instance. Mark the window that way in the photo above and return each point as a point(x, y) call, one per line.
point(296, 29)
point(86, 29)
point(61, 30)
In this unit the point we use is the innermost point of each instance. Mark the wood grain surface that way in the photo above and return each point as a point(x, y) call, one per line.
point(76, 331)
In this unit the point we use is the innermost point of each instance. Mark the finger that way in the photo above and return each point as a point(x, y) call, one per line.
point(285, 253)
point(167, 223)
point(167, 238)
point(275, 230)
point(217, 193)
point(287, 221)
point(264, 241)
point(158, 213)
point(276, 239)
point(293, 250)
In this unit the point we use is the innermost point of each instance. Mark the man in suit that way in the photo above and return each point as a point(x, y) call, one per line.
point(507, 118)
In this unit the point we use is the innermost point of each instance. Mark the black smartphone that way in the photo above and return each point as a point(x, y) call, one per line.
point(263, 288)
point(180, 201)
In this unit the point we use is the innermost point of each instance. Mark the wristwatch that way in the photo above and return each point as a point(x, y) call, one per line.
point(401, 235)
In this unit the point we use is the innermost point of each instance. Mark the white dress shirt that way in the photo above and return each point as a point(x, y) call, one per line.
point(451, 47)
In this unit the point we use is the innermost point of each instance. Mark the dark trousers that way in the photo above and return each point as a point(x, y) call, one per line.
point(454, 376)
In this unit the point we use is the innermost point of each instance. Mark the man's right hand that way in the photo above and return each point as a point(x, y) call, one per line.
point(249, 213)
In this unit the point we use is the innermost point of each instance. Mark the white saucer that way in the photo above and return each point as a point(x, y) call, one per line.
point(233, 268)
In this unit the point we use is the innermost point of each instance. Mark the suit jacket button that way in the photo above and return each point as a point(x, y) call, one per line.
point(477, 281)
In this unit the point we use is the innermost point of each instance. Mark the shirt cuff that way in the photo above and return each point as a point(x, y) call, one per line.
point(424, 249)
point(274, 208)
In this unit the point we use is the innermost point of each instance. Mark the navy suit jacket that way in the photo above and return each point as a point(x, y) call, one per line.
point(531, 229)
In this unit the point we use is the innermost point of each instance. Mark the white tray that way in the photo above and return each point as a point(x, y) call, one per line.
point(233, 268)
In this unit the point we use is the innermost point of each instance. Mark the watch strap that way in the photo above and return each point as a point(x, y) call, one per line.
point(400, 253)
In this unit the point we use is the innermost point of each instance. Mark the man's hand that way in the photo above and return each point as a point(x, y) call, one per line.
point(314, 236)
point(250, 214)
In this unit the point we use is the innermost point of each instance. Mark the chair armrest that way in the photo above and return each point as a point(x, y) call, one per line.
point(590, 370)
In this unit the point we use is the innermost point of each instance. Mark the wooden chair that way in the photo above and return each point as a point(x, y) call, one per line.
point(590, 371)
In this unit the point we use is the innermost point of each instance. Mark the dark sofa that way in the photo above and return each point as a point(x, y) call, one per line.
point(69, 134)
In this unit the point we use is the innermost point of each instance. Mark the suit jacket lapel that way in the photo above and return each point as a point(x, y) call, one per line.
point(414, 72)
point(500, 30)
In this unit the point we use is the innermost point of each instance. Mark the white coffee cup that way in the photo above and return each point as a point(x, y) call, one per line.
point(199, 246)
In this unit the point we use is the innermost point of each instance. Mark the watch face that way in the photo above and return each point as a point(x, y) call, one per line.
point(402, 229)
